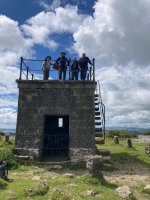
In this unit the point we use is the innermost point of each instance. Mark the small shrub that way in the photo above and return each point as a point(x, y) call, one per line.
point(7, 155)
point(58, 194)
point(39, 189)
point(3, 184)
point(146, 133)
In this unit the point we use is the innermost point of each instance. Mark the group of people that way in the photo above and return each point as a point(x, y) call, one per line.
point(62, 64)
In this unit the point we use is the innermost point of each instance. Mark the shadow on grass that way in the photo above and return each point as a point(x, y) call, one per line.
point(127, 159)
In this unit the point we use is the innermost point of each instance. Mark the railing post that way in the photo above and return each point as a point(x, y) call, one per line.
point(21, 68)
point(32, 76)
point(27, 73)
point(93, 69)
point(90, 72)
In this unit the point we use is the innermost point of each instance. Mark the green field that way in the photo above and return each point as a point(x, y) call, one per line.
point(128, 166)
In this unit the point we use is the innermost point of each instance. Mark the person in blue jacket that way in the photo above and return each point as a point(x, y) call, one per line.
point(63, 64)
point(75, 69)
point(83, 64)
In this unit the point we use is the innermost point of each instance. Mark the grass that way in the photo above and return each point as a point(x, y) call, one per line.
point(41, 182)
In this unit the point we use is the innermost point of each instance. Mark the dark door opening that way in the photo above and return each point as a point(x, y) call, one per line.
point(56, 138)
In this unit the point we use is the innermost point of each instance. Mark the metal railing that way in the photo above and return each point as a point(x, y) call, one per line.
point(29, 72)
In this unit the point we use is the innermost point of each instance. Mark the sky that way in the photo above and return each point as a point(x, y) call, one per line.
point(114, 32)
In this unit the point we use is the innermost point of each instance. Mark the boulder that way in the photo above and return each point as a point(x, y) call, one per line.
point(94, 165)
point(123, 192)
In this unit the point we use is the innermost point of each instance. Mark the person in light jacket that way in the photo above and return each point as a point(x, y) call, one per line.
point(46, 67)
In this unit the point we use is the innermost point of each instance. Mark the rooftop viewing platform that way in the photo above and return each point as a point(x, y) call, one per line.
point(48, 69)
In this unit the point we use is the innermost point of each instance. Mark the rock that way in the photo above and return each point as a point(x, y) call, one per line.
point(129, 142)
point(56, 167)
point(146, 189)
point(123, 191)
point(94, 165)
point(91, 192)
point(36, 178)
point(116, 139)
point(147, 149)
point(68, 175)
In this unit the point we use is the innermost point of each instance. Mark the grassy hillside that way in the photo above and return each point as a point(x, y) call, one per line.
point(128, 166)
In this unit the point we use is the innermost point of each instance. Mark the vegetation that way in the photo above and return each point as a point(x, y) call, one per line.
point(121, 134)
point(44, 182)
point(146, 133)
point(7, 155)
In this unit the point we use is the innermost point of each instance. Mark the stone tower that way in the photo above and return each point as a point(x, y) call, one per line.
point(55, 120)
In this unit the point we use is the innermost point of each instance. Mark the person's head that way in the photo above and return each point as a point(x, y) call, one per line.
point(83, 54)
point(63, 53)
point(48, 58)
point(74, 58)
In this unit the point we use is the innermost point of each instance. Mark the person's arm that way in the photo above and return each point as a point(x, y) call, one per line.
point(58, 60)
point(89, 61)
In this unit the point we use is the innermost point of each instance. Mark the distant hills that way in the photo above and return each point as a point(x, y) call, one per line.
point(130, 129)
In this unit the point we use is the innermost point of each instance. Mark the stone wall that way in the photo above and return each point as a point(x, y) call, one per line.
point(39, 98)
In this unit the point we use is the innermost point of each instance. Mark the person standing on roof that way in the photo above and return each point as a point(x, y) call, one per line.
point(46, 67)
point(83, 63)
point(75, 69)
point(63, 64)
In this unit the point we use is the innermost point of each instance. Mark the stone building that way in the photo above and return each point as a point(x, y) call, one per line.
point(56, 120)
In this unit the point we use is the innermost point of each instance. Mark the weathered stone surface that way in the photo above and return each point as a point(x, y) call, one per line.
point(123, 191)
point(80, 154)
point(69, 98)
point(129, 142)
point(147, 149)
point(94, 164)
point(146, 189)
point(116, 139)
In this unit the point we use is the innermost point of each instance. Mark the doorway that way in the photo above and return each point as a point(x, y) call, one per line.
point(56, 138)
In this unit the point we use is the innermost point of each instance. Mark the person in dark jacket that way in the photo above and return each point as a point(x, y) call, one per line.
point(75, 69)
point(83, 63)
point(63, 64)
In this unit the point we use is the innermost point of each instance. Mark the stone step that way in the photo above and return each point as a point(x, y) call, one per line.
point(103, 152)
point(98, 135)
point(98, 123)
point(97, 109)
point(97, 113)
point(96, 99)
point(97, 118)
point(96, 95)
point(98, 130)
point(99, 141)
point(96, 103)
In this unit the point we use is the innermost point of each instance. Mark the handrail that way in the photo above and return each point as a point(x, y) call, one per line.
point(102, 109)
point(29, 70)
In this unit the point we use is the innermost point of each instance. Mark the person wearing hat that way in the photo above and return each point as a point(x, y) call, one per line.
point(63, 64)
point(83, 63)
point(46, 67)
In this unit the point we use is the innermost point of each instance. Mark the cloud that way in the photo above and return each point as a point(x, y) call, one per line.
point(50, 6)
point(118, 31)
point(40, 27)
point(7, 117)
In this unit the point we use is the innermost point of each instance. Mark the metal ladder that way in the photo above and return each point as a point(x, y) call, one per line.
point(99, 115)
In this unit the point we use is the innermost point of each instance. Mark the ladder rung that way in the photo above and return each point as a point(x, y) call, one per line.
point(98, 130)
point(98, 123)
point(97, 113)
point(97, 118)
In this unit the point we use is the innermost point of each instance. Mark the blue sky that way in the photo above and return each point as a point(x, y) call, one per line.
point(115, 32)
